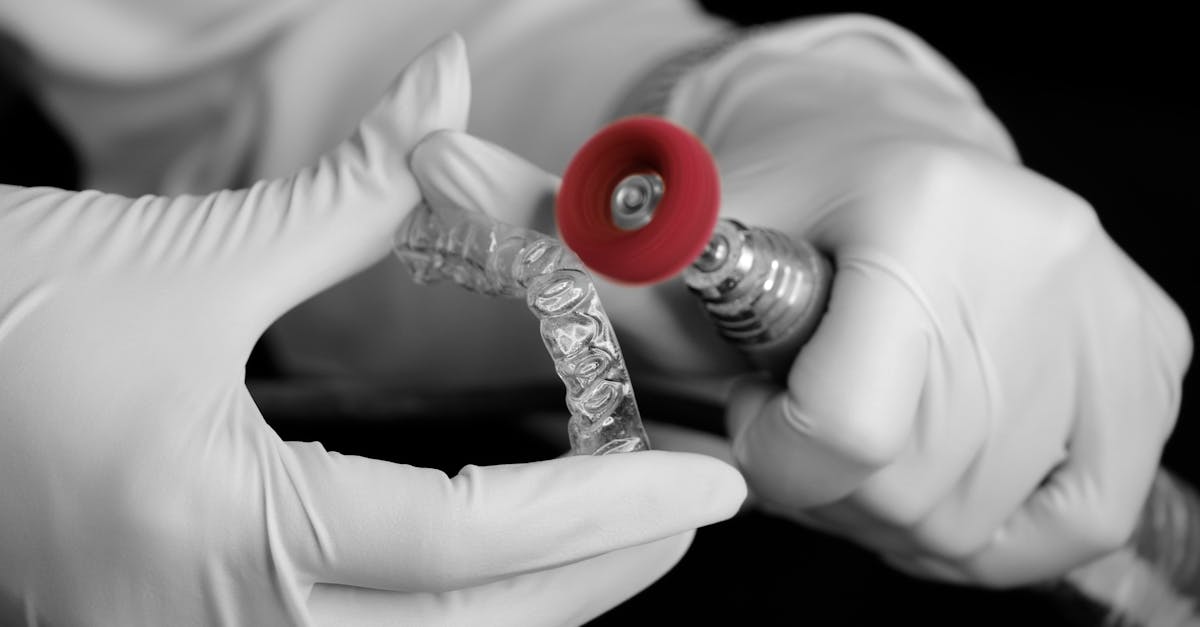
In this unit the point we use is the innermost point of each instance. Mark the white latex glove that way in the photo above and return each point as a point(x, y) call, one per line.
point(988, 395)
point(140, 485)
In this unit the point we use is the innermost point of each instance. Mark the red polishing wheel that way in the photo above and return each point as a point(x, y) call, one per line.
point(681, 223)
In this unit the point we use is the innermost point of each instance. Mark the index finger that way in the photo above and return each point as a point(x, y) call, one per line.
point(852, 394)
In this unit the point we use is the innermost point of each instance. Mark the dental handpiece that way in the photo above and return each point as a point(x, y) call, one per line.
point(639, 204)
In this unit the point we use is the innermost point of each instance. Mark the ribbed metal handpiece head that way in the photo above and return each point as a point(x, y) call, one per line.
point(764, 291)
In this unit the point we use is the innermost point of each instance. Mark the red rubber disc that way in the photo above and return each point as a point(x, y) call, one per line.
point(682, 222)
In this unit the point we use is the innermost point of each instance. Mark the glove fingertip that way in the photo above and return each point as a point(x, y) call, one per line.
point(678, 490)
point(432, 93)
point(789, 457)
point(454, 169)
point(454, 80)
point(713, 485)
point(747, 400)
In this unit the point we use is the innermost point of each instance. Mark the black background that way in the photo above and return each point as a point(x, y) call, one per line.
point(1098, 101)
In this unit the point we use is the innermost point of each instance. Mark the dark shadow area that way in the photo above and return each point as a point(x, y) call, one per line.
point(34, 153)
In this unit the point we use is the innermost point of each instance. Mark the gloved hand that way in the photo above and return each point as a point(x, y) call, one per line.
point(988, 394)
point(140, 485)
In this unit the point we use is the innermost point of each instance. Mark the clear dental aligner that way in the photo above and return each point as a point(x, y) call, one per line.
point(489, 257)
